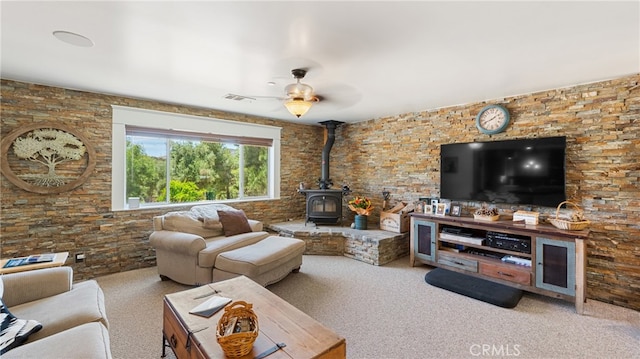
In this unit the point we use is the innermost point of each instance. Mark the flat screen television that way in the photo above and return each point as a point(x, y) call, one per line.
point(522, 171)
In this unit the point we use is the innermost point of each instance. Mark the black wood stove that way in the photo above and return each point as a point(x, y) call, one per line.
point(324, 205)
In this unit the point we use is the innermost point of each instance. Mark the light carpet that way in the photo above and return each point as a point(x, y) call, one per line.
point(390, 312)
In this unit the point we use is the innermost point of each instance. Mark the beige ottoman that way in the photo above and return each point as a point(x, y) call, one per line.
point(265, 262)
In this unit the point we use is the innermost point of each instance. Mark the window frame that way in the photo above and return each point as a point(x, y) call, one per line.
point(128, 116)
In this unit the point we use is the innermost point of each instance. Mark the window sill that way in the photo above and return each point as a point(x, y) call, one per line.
point(191, 204)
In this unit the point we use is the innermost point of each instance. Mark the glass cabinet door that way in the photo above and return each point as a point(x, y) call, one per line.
point(424, 240)
point(556, 265)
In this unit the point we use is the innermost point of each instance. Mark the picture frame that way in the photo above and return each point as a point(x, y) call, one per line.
point(434, 205)
point(424, 205)
point(455, 210)
point(441, 209)
point(447, 205)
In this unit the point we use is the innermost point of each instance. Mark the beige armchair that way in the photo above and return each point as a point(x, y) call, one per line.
point(187, 243)
point(73, 316)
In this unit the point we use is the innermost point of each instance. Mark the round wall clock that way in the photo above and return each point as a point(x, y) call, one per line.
point(492, 119)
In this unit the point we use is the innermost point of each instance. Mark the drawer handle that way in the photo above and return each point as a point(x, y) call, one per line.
point(505, 274)
point(458, 263)
point(173, 341)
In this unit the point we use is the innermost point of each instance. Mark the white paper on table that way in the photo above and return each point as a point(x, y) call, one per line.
point(210, 306)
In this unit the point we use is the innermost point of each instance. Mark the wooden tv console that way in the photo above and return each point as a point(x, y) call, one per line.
point(557, 257)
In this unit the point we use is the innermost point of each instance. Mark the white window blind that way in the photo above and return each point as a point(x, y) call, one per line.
point(196, 136)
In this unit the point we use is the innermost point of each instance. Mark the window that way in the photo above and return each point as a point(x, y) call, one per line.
point(205, 159)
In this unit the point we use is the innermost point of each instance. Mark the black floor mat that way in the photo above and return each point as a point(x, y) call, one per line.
point(477, 288)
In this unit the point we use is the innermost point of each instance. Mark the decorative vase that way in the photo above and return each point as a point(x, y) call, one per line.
point(361, 221)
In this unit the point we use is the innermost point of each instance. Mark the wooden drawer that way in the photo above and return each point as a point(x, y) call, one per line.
point(458, 262)
point(175, 333)
point(510, 273)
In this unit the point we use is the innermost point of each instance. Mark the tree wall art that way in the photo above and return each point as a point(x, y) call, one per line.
point(47, 158)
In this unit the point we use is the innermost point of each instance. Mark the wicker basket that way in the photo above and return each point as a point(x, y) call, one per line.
point(237, 344)
point(486, 218)
point(568, 225)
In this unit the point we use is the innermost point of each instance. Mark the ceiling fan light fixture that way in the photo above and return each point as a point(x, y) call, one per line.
point(298, 106)
point(300, 96)
point(299, 90)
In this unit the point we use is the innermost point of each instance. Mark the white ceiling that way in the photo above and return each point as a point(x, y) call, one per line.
point(367, 59)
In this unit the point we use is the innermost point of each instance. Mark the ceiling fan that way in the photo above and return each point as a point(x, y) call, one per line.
point(300, 96)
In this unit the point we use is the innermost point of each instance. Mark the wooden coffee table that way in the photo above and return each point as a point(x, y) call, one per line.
point(192, 336)
point(58, 261)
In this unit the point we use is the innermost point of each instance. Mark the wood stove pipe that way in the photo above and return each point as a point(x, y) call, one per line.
point(324, 181)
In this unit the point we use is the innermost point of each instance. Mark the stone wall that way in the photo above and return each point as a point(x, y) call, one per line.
point(373, 246)
point(81, 221)
point(399, 154)
point(602, 123)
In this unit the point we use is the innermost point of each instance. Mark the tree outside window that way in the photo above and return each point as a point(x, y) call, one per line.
point(191, 170)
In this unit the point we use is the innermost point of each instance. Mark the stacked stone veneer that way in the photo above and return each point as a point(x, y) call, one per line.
point(399, 153)
point(370, 246)
point(81, 220)
point(602, 124)
point(377, 250)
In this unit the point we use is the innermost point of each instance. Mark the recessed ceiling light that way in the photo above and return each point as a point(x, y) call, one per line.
point(73, 38)
point(271, 83)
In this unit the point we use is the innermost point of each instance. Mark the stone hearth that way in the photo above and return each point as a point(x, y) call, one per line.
point(371, 246)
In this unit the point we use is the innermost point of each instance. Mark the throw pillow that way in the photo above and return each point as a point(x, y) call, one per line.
point(211, 223)
point(14, 331)
point(210, 210)
point(188, 222)
point(234, 222)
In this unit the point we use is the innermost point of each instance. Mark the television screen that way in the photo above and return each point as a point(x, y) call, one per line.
point(522, 171)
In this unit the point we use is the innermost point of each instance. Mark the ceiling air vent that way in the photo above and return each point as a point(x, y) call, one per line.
point(233, 97)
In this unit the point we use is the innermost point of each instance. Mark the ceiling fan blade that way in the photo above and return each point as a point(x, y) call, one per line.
point(338, 95)
point(277, 98)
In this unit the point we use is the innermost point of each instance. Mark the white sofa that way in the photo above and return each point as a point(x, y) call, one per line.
point(210, 243)
point(73, 316)
point(187, 243)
